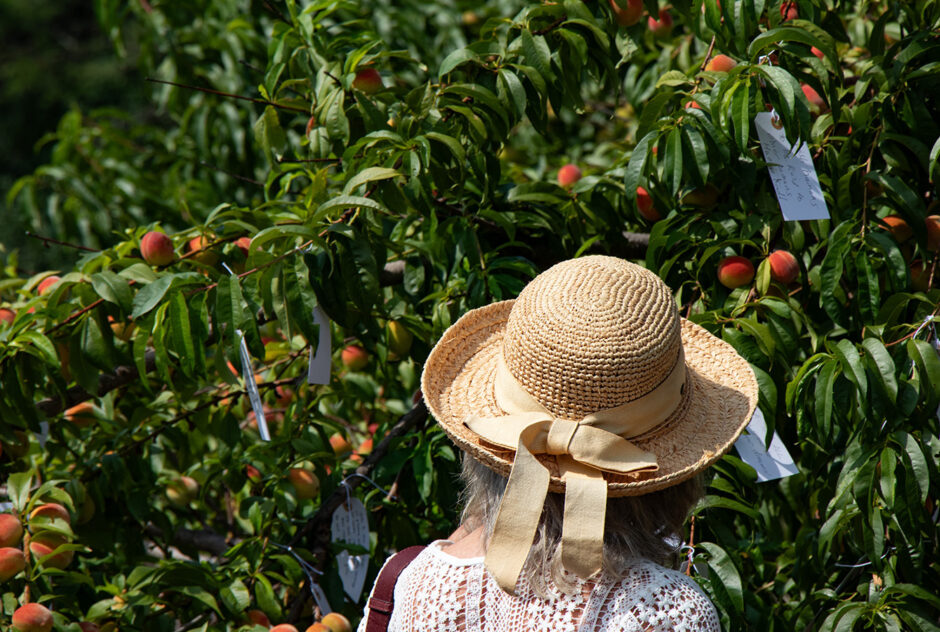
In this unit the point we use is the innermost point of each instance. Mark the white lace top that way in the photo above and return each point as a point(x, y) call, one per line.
point(441, 593)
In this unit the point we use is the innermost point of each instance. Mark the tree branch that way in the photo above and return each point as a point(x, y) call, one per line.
point(316, 532)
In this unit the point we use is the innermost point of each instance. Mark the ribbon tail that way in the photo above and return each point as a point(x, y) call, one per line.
point(517, 519)
point(582, 538)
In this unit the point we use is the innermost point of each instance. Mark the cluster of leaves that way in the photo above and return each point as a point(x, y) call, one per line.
point(434, 194)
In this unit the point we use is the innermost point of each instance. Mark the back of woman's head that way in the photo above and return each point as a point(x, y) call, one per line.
point(636, 527)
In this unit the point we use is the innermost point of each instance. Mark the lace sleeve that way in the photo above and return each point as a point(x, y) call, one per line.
point(655, 599)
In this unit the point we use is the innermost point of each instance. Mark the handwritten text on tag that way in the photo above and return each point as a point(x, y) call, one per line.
point(351, 526)
point(792, 172)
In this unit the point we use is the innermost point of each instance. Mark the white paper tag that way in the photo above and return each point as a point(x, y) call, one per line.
point(792, 172)
point(320, 598)
point(770, 464)
point(320, 364)
point(253, 395)
point(43, 433)
point(352, 526)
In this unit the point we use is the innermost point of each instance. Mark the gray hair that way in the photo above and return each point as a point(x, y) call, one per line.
point(635, 527)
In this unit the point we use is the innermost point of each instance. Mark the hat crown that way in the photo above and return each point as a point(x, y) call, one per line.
point(591, 334)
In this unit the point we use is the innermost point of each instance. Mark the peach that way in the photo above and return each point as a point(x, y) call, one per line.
point(784, 267)
point(662, 27)
point(644, 204)
point(336, 622)
point(32, 617)
point(283, 627)
point(816, 102)
point(243, 243)
point(900, 230)
point(788, 10)
point(7, 315)
point(157, 249)
point(200, 246)
point(367, 80)
point(10, 530)
point(51, 511)
point(355, 358)
point(256, 617)
point(627, 12)
point(44, 543)
point(568, 175)
point(88, 626)
point(919, 276)
point(702, 197)
point(318, 627)
point(399, 338)
point(365, 447)
point(12, 561)
point(253, 473)
point(720, 63)
point(46, 284)
point(305, 483)
point(735, 271)
point(816, 52)
point(311, 123)
point(933, 232)
point(340, 444)
point(182, 491)
point(82, 415)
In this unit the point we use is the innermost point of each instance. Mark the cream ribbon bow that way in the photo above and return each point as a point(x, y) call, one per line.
point(584, 450)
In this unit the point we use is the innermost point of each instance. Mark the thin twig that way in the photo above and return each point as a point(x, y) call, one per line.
point(50, 240)
point(229, 95)
point(229, 173)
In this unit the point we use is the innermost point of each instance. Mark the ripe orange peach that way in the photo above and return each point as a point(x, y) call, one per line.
point(644, 204)
point(662, 27)
point(568, 175)
point(51, 510)
point(900, 230)
point(318, 627)
point(735, 271)
point(283, 627)
point(12, 561)
point(32, 617)
point(816, 101)
point(627, 12)
point(367, 80)
point(44, 543)
point(340, 444)
point(788, 10)
point(82, 415)
point(355, 358)
point(784, 267)
point(933, 232)
point(157, 249)
point(305, 483)
point(257, 617)
point(7, 315)
point(46, 284)
point(720, 63)
point(10, 530)
point(336, 622)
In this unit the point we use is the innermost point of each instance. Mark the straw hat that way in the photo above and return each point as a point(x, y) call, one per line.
point(590, 384)
point(590, 334)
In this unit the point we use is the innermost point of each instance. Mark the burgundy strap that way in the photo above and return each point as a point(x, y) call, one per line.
point(383, 595)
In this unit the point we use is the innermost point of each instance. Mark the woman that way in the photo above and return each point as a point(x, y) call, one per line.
point(586, 409)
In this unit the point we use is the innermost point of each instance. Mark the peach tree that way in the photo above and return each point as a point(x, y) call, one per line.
point(392, 165)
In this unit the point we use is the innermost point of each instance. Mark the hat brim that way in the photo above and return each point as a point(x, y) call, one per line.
point(459, 374)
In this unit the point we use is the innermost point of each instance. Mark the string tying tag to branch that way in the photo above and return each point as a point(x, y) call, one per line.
point(319, 597)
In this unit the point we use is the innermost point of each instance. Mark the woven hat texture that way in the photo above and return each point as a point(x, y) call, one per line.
point(586, 335)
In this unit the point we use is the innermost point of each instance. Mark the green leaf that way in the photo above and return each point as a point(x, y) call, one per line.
point(18, 485)
point(457, 58)
point(851, 363)
point(180, 337)
point(370, 174)
point(511, 91)
point(268, 133)
point(673, 160)
point(882, 362)
point(720, 562)
point(112, 288)
point(236, 597)
point(349, 201)
point(150, 295)
point(537, 54)
point(915, 455)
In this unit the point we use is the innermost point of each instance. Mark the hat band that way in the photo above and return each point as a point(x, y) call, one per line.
point(584, 450)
